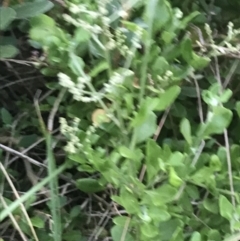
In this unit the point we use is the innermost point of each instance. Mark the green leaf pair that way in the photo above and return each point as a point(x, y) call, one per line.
point(20, 11)
point(194, 60)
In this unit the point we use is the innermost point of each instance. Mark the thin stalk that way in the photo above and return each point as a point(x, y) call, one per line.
point(53, 183)
point(143, 79)
point(14, 205)
point(54, 193)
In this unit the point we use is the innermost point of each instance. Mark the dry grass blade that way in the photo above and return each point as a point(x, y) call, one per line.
point(21, 205)
point(15, 223)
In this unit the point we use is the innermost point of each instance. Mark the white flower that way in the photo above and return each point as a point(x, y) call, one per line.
point(96, 29)
point(128, 72)
point(86, 99)
point(106, 21)
point(169, 73)
point(75, 9)
point(70, 148)
point(136, 44)
point(122, 13)
point(103, 10)
point(111, 44)
point(179, 13)
point(213, 102)
point(108, 88)
point(65, 81)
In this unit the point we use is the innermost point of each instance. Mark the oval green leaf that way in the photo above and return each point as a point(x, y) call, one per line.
point(7, 15)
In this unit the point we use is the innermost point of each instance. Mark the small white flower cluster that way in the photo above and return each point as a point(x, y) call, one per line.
point(111, 44)
point(228, 49)
point(166, 77)
point(91, 130)
point(209, 33)
point(102, 7)
point(178, 13)
point(78, 89)
point(122, 13)
point(116, 80)
point(120, 41)
point(94, 29)
point(65, 81)
point(70, 132)
point(232, 33)
point(76, 9)
point(137, 38)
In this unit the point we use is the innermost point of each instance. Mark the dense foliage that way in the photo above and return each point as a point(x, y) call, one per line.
point(139, 115)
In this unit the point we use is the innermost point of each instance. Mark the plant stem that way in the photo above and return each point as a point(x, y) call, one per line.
point(55, 200)
point(150, 16)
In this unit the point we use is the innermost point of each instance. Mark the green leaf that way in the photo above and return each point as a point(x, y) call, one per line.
point(186, 50)
point(196, 236)
point(233, 237)
point(159, 214)
point(37, 222)
point(185, 129)
point(135, 154)
point(77, 158)
point(117, 231)
point(168, 228)
point(162, 195)
point(128, 201)
point(200, 176)
point(168, 97)
point(8, 51)
point(215, 163)
point(174, 179)
point(237, 108)
point(226, 208)
point(218, 120)
point(89, 185)
point(7, 15)
point(211, 205)
point(147, 129)
point(45, 35)
point(100, 67)
point(213, 235)
point(226, 95)
point(120, 220)
point(73, 235)
point(176, 159)
point(168, 37)
point(75, 212)
point(153, 152)
point(160, 66)
point(149, 230)
point(159, 11)
point(146, 108)
point(188, 19)
point(6, 116)
point(76, 64)
point(80, 36)
point(177, 235)
point(32, 9)
point(42, 20)
point(199, 62)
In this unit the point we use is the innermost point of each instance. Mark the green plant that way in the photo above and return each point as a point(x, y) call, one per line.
point(125, 72)
point(18, 12)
